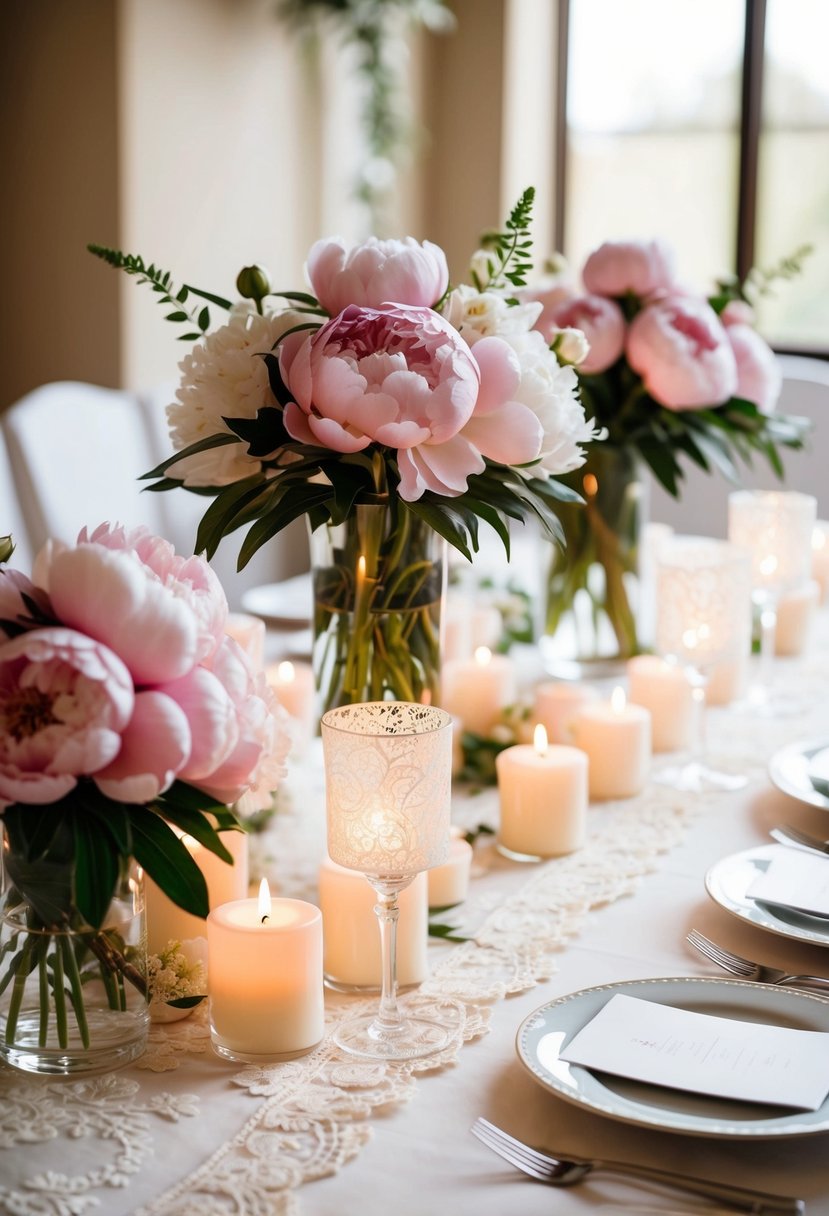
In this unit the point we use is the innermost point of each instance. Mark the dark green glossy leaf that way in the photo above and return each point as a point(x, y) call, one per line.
point(158, 849)
point(96, 869)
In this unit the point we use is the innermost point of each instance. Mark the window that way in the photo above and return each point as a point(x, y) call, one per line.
point(704, 122)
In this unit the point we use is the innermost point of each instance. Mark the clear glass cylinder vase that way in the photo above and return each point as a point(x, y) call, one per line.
point(73, 999)
point(593, 589)
point(379, 584)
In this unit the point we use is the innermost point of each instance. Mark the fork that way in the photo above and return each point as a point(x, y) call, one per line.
point(560, 1171)
point(748, 970)
point(789, 835)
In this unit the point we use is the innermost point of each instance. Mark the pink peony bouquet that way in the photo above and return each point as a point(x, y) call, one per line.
point(126, 712)
point(382, 383)
point(670, 372)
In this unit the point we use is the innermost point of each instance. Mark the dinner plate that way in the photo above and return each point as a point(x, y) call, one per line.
point(728, 881)
point(545, 1033)
point(791, 767)
point(287, 603)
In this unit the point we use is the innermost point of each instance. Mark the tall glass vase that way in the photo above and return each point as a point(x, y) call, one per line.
point(591, 621)
point(73, 999)
point(379, 582)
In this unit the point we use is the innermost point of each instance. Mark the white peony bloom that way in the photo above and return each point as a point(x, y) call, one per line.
point(550, 391)
point(569, 345)
point(223, 377)
point(485, 314)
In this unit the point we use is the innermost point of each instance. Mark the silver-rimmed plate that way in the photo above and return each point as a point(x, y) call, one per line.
point(793, 767)
point(544, 1034)
point(728, 882)
point(289, 603)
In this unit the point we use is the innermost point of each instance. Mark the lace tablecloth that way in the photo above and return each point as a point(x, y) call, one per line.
point(183, 1132)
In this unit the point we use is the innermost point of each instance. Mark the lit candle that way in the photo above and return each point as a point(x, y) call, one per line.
point(556, 704)
point(293, 686)
point(249, 632)
point(166, 921)
point(795, 616)
point(265, 978)
point(477, 690)
point(449, 883)
point(664, 689)
point(543, 793)
point(820, 556)
point(351, 943)
point(617, 739)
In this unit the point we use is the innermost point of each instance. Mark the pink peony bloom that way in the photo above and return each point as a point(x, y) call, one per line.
point(260, 744)
point(64, 702)
point(154, 749)
point(210, 711)
point(641, 267)
point(401, 377)
point(162, 614)
point(682, 353)
point(551, 300)
point(376, 273)
point(13, 586)
point(603, 324)
point(737, 312)
point(759, 378)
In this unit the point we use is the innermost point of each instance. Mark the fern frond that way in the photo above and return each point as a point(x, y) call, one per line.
point(162, 284)
point(512, 247)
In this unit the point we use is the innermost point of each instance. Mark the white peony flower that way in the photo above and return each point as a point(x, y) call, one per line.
point(485, 314)
point(550, 391)
point(569, 345)
point(223, 377)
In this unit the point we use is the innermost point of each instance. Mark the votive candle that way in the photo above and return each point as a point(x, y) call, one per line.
point(616, 737)
point(477, 690)
point(166, 921)
point(449, 883)
point(293, 686)
point(556, 705)
point(795, 618)
point(249, 632)
point(265, 978)
point(664, 689)
point(543, 791)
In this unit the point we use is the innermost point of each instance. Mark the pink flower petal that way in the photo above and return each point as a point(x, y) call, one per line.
point(154, 749)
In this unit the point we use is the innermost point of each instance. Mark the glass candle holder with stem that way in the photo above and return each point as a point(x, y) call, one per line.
point(775, 528)
point(703, 618)
point(388, 775)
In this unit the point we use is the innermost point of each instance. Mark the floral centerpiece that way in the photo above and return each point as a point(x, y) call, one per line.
point(128, 719)
point(671, 376)
point(389, 410)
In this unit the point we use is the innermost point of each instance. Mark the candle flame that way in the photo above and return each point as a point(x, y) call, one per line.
point(361, 568)
point(590, 484)
point(286, 672)
point(483, 656)
point(264, 901)
point(618, 700)
point(768, 565)
point(540, 739)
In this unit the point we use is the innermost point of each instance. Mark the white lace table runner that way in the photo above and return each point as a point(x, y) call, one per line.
point(263, 1132)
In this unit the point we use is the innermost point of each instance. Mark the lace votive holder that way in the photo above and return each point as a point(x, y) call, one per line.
point(265, 978)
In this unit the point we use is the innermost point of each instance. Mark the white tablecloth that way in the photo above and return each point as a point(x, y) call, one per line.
point(187, 1133)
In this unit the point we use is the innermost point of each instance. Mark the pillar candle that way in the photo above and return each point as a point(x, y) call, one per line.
point(351, 936)
point(617, 739)
point(249, 632)
point(820, 556)
point(166, 921)
point(556, 703)
point(664, 689)
point(265, 978)
point(449, 883)
point(727, 680)
point(543, 794)
point(477, 690)
point(293, 686)
point(795, 617)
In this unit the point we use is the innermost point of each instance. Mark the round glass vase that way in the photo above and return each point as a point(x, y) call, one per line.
point(593, 592)
point(73, 999)
point(379, 583)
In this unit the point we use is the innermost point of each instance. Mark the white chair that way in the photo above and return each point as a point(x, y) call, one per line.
point(702, 507)
point(11, 517)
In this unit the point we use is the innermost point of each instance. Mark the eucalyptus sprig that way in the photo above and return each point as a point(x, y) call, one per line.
point(162, 284)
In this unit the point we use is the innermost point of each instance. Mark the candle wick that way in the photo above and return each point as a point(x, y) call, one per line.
point(264, 918)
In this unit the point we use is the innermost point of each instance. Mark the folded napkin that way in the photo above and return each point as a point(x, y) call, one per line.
point(703, 1054)
point(794, 879)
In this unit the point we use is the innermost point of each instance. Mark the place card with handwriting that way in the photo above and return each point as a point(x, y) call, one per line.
point(794, 879)
point(700, 1053)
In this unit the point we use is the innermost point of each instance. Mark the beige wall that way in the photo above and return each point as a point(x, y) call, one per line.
point(58, 140)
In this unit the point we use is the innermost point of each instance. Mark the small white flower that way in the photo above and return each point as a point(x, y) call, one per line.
point(569, 345)
point(485, 314)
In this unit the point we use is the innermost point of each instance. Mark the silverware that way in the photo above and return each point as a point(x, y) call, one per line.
point(787, 835)
point(560, 1172)
point(748, 970)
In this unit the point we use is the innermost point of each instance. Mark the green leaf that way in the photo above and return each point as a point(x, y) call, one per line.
point(207, 295)
point(196, 825)
point(96, 869)
point(302, 501)
point(443, 520)
point(158, 849)
point(219, 518)
point(186, 1002)
point(203, 319)
point(203, 445)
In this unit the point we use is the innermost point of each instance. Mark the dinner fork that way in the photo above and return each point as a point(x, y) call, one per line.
point(559, 1171)
point(748, 970)
point(788, 835)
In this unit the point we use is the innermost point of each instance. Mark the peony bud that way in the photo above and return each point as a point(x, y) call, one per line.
point(569, 345)
point(481, 268)
point(556, 264)
point(6, 548)
point(253, 283)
